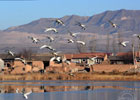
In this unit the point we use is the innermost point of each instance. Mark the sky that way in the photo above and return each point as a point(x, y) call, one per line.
point(19, 12)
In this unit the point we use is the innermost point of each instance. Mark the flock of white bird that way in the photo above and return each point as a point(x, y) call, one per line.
point(53, 50)
point(69, 40)
point(51, 39)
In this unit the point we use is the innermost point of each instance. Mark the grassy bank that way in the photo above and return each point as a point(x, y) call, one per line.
point(76, 76)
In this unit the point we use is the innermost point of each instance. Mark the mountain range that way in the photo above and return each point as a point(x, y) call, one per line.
point(128, 22)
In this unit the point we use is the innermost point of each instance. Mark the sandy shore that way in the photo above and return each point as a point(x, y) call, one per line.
point(76, 76)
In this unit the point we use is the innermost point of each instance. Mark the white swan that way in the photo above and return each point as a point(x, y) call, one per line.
point(81, 42)
point(59, 22)
point(51, 29)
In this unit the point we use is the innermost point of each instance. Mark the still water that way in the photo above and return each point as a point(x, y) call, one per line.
point(70, 90)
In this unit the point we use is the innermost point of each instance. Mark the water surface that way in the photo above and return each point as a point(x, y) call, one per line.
point(70, 90)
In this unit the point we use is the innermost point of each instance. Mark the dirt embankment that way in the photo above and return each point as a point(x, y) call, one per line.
point(77, 76)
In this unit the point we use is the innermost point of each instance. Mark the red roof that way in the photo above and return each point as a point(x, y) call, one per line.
point(85, 55)
point(124, 54)
point(137, 54)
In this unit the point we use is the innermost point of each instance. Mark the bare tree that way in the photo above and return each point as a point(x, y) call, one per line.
point(92, 44)
point(26, 53)
point(114, 44)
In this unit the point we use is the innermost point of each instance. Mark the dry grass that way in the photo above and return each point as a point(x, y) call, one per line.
point(77, 76)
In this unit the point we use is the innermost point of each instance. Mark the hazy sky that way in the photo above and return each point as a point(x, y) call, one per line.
point(18, 12)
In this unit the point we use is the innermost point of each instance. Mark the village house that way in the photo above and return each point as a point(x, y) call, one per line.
point(78, 62)
point(125, 58)
point(43, 63)
point(16, 66)
point(87, 60)
point(37, 63)
point(8, 62)
point(84, 59)
point(121, 62)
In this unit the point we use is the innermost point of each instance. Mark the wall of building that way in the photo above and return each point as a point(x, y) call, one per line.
point(18, 63)
point(21, 69)
point(63, 67)
point(38, 64)
point(110, 68)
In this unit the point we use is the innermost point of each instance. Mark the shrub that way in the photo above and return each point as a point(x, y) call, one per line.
point(114, 72)
point(103, 72)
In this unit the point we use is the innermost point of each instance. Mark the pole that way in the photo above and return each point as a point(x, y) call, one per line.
point(134, 60)
point(108, 42)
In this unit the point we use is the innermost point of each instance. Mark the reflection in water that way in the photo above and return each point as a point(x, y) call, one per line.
point(71, 90)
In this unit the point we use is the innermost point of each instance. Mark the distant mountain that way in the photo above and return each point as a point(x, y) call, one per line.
point(127, 20)
point(95, 35)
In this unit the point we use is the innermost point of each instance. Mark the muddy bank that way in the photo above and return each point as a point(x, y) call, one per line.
point(76, 76)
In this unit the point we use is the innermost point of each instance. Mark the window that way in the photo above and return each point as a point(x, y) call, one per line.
point(23, 69)
point(29, 63)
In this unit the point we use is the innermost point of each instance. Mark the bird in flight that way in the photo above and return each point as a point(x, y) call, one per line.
point(22, 60)
point(137, 35)
point(48, 47)
point(66, 61)
point(81, 25)
point(81, 42)
point(93, 58)
point(10, 53)
point(58, 59)
point(72, 34)
point(50, 38)
point(70, 41)
point(55, 53)
point(113, 24)
point(51, 29)
point(123, 43)
point(58, 21)
point(34, 40)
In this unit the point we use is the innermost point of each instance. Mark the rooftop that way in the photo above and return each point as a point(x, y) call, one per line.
point(85, 55)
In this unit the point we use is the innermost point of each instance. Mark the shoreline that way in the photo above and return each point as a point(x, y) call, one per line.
point(76, 76)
